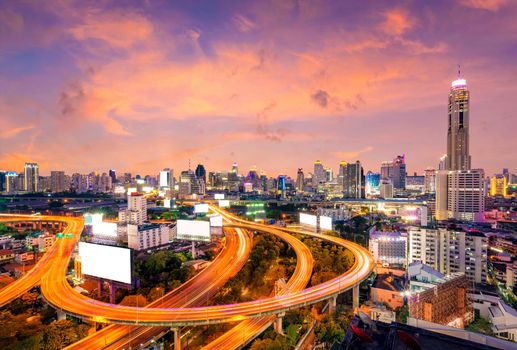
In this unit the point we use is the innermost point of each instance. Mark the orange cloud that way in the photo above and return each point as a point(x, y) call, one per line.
point(397, 21)
point(15, 131)
point(491, 5)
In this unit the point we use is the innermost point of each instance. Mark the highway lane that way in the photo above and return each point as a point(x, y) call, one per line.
point(32, 277)
point(194, 292)
point(55, 287)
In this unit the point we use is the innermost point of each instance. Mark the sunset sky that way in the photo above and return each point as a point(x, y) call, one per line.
point(276, 84)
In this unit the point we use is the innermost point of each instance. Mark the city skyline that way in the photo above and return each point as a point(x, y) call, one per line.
point(336, 83)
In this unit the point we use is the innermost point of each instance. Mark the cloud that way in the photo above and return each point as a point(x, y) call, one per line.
point(321, 98)
point(9, 133)
point(243, 23)
point(491, 5)
point(117, 29)
point(396, 21)
point(348, 155)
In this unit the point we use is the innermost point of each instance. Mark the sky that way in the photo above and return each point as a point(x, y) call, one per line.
point(144, 85)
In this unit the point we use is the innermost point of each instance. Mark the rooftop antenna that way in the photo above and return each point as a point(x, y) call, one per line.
point(189, 164)
point(459, 71)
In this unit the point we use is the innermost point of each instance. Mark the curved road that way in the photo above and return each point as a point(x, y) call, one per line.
point(55, 288)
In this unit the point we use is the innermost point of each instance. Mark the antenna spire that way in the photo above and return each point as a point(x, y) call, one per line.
point(459, 71)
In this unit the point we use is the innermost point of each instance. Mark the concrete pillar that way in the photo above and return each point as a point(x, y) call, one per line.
point(332, 304)
point(113, 290)
point(278, 325)
point(177, 338)
point(61, 315)
point(193, 250)
point(355, 297)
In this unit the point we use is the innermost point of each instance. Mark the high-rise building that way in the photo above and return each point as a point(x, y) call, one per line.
point(450, 251)
point(498, 186)
point(352, 179)
point(201, 173)
point(165, 178)
point(329, 175)
point(373, 181)
point(11, 180)
point(2, 180)
point(319, 175)
point(395, 171)
point(430, 180)
point(300, 178)
point(57, 181)
point(113, 175)
point(458, 156)
point(136, 213)
point(386, 189)
point(281, 188)
point(460, 191)
point(31, 177)
point(235, 168)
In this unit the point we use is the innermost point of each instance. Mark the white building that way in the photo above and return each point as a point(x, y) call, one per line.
point(422, 277)
point(504, 321)
point(166, 176)
point(450, 251)
point(388, 248)
point(136, 213)
point(336, 214)
point(147, 236)
point(386, 189)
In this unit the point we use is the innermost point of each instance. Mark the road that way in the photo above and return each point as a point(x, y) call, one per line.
point(59, 293)
point(194, 292)
point(32, 277)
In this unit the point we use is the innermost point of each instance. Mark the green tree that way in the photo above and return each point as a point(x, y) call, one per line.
point(62, 333)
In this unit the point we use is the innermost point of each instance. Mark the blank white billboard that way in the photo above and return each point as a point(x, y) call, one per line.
point(325, 223)
point(216, 221)
point(92, 219)
point(193, 230)
point(308, 219)
point(103, 261)
point(108, 229)
point(219, 196)
point(224, 203)
point(200, 208)
point(167, 203)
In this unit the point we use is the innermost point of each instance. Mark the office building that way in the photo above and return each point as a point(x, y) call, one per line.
point(166, 178)
point(136, 212)
point(319, 176)
point(11, 179)
point(113, 175)
point(300, 178)
point(373, 182)
point(415, 183)
point(351, 176)
point(458, 156)
point(430, 181)
point(2, 180)
point(31, 177)
point(388, 248)
point(450, 251)
point(57, 181)
point(146, 236)
point(395, 171)
point(201, 172)
point(498, 186)
point(386, 189)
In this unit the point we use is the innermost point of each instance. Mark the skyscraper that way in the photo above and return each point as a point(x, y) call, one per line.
point(113, 175)
point(319, 175)
point(352, 179)
point(31, 176)
point(373, 181)
point(165, 178)
point(201, 172)
point(395, 171)
point(300, 178)
point(430, 180)
point(57, 181)
point(459, 190)
point(458, 157)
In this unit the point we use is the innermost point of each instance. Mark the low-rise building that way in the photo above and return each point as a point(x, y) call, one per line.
point(422, 277)
point(388, 248)
point(6, 255)
point(147, 236)
point(45, 241)
point(504, 321)
point(388, 289)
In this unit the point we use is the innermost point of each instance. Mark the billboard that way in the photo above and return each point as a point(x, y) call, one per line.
point(167, 203)
point(216, 221)
point(224, 203)
point(104, 261)
point(92, 219)
point(108, 229)
point(200, 208)
point(308, 219)
point(326, 223)
point(193, 230)
point(219, 196)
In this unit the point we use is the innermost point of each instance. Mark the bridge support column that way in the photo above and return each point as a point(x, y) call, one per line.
point(332, 304)
point(278, 324)
point(177, 338)
point(61, 315)
point(113, 291)
point(355, 296)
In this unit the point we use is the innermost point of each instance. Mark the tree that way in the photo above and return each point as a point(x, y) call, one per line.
point(62, 333)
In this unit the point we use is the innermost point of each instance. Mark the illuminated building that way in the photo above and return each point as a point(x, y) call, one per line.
point(10, 182)
point(415, 183)
point(459, 190)
point(281, 186)
point(2, 180)
point(201, 173)
point(329, 175)
point(430, 180)
point(450, 251)
point(319, 175)
point(136, 212)
point(300, 178)
point(147, 236)
point(57, 181)
point(166, 178)
point(351, 176)
point(31, 177)
point(235, 169)
point(458, 156)
point(373, 181)
point(113, 175)
point(498, 186)
point(388, 247)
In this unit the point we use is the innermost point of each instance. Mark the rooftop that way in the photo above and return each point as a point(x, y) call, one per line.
point(389, 282)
